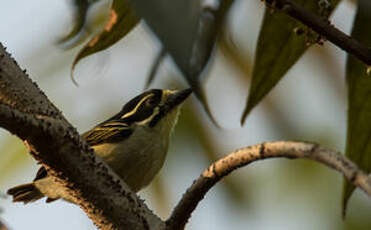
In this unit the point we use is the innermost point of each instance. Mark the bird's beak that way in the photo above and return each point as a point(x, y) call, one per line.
point(176, 98)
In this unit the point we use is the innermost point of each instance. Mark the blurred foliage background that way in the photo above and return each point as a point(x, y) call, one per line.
point(309, 104)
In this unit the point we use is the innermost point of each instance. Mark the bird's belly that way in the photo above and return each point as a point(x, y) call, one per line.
point(136, 165)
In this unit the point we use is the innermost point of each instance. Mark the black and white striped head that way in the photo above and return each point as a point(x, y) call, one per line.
point(152, 106)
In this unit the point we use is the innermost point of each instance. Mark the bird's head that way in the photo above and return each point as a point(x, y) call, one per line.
point(153, 108)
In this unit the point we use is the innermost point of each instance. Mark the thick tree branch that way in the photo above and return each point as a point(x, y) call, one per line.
point(324, 28)
point(26, 112)
point(245, 156)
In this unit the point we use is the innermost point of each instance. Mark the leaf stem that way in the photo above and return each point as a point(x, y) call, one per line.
point(324, 28)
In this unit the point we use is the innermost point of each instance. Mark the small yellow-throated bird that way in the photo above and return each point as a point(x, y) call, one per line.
point(133, 143)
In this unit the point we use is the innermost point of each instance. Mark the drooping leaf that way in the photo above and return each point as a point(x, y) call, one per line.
point(187, 32)
point(80, 11)
point(81, 8)
point(122, 20)
point(175, 23)
point(282, 41)
point(358, 147)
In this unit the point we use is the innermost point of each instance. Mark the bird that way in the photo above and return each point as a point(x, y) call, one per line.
point(134, 143)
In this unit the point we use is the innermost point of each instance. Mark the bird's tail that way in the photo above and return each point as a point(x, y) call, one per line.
point(25, 193)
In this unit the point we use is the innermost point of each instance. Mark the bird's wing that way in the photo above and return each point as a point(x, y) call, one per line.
point(107, 132)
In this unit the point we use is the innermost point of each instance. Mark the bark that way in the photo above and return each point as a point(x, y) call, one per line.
point(25, 111)
point(242, 157)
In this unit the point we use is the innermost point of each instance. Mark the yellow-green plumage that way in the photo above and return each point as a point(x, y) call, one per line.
point(133, 143)
point(150, 147)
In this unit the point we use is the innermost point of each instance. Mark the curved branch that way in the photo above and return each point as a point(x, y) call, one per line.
point(324, 28)
point(26, 112)
point(245, 156)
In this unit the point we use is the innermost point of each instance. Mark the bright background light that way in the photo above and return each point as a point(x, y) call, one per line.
point(308, 104)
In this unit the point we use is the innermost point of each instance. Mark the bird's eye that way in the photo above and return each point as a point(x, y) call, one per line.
point(151, 102)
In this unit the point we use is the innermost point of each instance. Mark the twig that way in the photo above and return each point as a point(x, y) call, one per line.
point(245, 156)
point(324, 28)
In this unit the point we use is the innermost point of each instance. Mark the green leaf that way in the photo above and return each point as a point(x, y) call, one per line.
point(282, 41)
point(122, 20)
point(80, 8)
point(187, 31)
point(358, 147)
point(80, 11)
point(175, 23)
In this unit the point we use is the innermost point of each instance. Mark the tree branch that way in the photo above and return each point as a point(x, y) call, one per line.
point(26, 112)
point(324, 28)
point(242, 157)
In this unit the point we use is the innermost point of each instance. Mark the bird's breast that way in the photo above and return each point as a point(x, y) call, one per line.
point(138, 158)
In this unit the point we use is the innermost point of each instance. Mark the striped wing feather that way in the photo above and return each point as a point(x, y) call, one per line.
point(107, 132)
